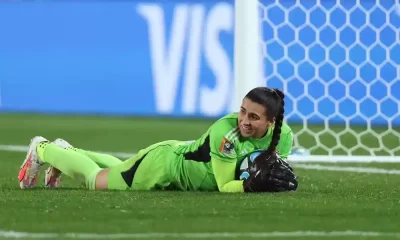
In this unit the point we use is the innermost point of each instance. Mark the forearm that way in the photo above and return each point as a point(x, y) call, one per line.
point(224, 173)
point(234, 186)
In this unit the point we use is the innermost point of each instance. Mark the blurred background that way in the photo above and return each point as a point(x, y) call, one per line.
point(118, 75)
point(337, 62)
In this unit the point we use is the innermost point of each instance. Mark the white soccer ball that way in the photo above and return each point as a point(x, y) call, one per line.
point(299, 151)
point(247, 165)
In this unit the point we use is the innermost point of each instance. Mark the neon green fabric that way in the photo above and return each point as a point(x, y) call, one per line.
point(206, 164)
point(71, 163)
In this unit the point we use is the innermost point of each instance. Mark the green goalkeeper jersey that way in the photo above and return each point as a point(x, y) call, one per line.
point(210, 162)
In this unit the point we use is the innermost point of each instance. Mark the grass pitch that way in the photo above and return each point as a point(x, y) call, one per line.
point(325, 201)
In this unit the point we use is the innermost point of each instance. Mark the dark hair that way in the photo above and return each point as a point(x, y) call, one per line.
point(273, 101)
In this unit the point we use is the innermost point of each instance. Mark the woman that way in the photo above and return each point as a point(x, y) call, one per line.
point(206, 164)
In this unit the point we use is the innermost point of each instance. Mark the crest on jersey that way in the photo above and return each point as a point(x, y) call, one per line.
point(226, 147)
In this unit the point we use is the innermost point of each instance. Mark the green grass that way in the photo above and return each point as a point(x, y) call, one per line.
point(135, 133)
point(325, 201)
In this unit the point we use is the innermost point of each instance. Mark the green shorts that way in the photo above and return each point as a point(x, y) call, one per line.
point(149, 169)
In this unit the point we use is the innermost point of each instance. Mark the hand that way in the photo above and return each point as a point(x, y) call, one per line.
point(272, 175)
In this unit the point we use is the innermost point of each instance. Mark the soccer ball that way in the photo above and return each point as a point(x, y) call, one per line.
point(247, 165)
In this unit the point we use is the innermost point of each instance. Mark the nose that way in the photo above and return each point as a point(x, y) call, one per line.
point(245, 120)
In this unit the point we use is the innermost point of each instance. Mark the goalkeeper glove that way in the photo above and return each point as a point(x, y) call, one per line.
point(272, 175)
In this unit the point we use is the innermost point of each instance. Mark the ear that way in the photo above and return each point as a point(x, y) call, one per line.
point(270, 123)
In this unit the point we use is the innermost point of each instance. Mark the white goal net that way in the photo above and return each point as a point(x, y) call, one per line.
point(338, 63)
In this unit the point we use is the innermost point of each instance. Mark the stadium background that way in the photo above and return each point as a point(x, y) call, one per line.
point(336, 61)
point(124, 58)
point(145, 61)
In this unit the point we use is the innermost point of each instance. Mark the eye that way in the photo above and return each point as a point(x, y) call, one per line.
point(254, 117)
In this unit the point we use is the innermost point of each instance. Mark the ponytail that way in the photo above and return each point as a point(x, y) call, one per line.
point(278, 123)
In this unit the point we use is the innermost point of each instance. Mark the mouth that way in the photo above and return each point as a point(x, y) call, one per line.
point(246, 130)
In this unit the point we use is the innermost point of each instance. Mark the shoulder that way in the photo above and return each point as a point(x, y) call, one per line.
point(286, 138)
point(223, 135)
point(286, 141)
point(286, 129)
point(225, 127)
point(230, 118)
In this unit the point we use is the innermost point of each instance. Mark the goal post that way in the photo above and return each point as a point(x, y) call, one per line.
point(248, 58)
point(338, 64)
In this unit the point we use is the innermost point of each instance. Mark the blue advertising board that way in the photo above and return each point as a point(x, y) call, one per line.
point(175, 58)
point(116, 57)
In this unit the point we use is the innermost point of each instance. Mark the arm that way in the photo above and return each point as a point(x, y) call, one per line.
point(223, 157)
point(224, 173)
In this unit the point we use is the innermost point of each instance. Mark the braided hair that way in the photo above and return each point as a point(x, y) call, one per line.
point(273, 101)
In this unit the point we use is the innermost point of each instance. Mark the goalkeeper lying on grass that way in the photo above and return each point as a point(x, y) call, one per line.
point(206, 164)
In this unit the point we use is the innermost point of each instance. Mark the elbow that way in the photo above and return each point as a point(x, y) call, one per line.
point(222, 189)
point(231, 187)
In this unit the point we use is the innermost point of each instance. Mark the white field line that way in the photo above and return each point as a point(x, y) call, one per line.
point(18, 148)
point(304, 159)
point(344, 159)
point(356, 234)
point(347, 169)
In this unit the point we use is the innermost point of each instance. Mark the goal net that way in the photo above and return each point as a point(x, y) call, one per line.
point(338, 63)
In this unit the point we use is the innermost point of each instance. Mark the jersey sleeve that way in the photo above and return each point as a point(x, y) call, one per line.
point(222, 141)
point(224, 173)
point(285, 145)
point(223, 156)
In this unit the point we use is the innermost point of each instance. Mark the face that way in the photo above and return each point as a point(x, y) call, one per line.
point(252, 120)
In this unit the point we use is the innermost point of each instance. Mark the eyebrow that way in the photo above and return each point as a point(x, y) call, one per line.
point(251, 112)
